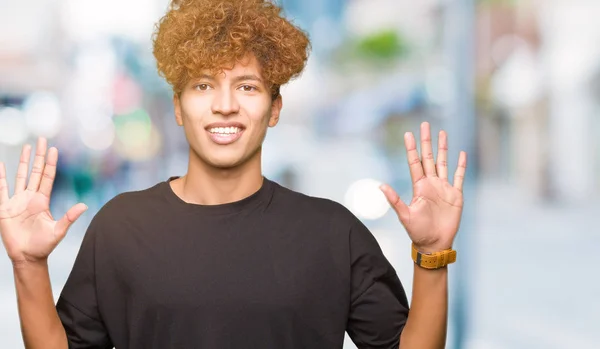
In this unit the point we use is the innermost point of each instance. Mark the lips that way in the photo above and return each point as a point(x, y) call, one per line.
point(224, 133)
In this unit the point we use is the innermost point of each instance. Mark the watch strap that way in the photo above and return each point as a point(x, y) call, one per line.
point(435, 260)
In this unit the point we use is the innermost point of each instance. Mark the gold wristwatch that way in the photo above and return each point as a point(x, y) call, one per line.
point(435, 260)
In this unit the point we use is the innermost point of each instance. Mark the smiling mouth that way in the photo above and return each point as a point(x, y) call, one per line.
point(224, 131)
point(225, 135)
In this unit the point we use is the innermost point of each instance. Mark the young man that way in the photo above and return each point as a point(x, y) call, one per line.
point(223, 257)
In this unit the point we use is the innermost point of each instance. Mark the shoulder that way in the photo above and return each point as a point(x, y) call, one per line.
point(130, 204)
point(314, 207)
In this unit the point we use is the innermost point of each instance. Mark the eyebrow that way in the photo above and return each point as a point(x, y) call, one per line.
point(204, 77)
point(236, 79)
point(247, 77)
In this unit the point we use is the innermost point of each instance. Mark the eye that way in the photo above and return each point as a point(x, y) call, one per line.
point(248, 88)
point(201, 87)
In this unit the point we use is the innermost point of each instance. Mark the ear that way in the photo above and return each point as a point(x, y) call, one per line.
point(275, 111)
point(177, 105)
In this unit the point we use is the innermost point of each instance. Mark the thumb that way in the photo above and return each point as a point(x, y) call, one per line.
point(397, 204)
point(68, 219)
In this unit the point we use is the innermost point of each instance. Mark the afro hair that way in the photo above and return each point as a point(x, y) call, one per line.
point(198, 35)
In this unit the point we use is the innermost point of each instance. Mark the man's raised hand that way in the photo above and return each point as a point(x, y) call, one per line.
point(433, 216)
point(28, 230)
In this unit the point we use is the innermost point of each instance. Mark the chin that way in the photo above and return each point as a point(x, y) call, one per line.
point(224, 164)
point(226, 161)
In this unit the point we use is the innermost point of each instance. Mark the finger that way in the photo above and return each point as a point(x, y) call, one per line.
point(3, 184)
point(442, 156)
point(427, 150)
point(459, 175)
point(23, 168)
point(397, 204)
point(63, 225)
point(38, 165)
point(414, 163)
point(49, 172)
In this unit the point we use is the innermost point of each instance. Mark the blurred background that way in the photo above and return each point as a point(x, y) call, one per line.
point(516, 83)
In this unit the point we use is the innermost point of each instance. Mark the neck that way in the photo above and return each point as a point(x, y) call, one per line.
point(206, 185)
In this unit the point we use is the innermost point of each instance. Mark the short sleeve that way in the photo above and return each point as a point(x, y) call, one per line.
point(379, 306)
point(77, 305)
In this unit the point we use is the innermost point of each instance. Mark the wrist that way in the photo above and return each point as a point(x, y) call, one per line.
point(29, 264)
point(419, 269)
point(439, 257)
point(432, 248)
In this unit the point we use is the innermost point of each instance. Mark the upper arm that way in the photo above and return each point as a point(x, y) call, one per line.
point(83, 331)
point(379, 306)
point(77, 305)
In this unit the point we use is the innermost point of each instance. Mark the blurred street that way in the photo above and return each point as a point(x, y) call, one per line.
point(534, 284)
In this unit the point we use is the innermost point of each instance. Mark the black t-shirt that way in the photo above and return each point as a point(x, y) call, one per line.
point(277, 269)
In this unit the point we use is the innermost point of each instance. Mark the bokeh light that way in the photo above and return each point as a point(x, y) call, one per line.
point(137, 138)
point(43, 114)
point(13, 128)
point(366, 200)
point(98, 139)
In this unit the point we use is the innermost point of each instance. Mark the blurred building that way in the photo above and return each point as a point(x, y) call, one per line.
point(536, 65)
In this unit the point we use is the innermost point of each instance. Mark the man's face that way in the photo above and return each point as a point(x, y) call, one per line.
point(226, 116)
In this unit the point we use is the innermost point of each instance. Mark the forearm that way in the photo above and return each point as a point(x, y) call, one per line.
point(40, 325)
point(427, 323)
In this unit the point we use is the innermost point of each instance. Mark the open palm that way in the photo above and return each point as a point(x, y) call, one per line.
point(29, 232)
point(433, 216)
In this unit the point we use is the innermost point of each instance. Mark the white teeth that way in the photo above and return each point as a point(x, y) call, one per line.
point(224, 130)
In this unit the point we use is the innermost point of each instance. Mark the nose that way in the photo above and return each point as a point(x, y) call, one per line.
point(225, 103)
